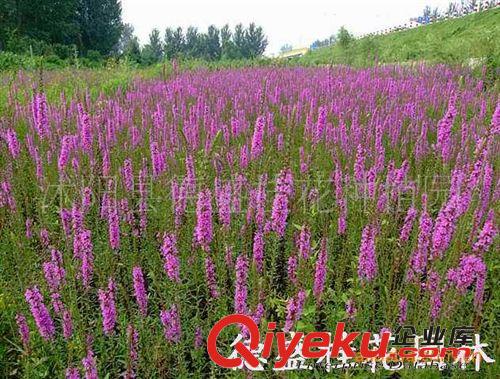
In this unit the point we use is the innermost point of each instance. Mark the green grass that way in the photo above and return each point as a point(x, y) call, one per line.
point(450, 41)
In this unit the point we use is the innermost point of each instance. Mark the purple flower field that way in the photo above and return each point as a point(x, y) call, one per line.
point(134, 218)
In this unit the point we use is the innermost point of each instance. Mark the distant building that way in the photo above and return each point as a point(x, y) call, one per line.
point(295, 53)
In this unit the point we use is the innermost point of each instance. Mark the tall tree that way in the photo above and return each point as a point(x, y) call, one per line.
point(153, 51)
point(239, 42)
point(8, 20)
point(180, 43)
point(100, 25)
point(344, 37)
point(227, 46)
point(133, 50)
point(169, 44)
point(193, 42)
point(213, 49)
point(255, 41)
point(125, 38)
point(51, 21)
point(156, 44)
point(174, 43)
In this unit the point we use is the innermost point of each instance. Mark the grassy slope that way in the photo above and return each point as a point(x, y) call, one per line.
point(450, 41)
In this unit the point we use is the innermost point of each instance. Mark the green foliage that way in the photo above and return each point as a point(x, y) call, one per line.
point(449, 41)
point(44, 27)
point(239, 41)
point(156, 44)
point(52, 21)
point(100, 25)
point(243, 43)
point(227, 45)
point(128, 45)
point(9, 61)
point(153, 51)
point(212, 44)
point(193, 46)
point(174, 43)
point(93, 59)
point(344, 37)
point(92, 30)
point(255, 41)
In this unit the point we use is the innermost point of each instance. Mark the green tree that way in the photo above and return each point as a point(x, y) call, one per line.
point(228, 48)
point(155, 45)
point(179, 42)
point(345, 40)
point(192, 43)
point(128, 45)
point(7, 20)
point(174, 43)
point(125, 38)
point(48, 26)
point(133, 50)
point(370, 48)
point(212, 43)
point(239, 42)
point(344, 37)
point(100, 25)
point(23, 22)
point(255, 41)
point(168, 43)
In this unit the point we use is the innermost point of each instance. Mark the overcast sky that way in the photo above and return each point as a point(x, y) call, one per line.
point(297, 22)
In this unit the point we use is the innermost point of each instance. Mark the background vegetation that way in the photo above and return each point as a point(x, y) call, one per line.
point(448, 41)
point(89, 33)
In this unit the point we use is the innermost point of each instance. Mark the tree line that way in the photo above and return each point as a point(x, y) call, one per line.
point(45, 27)
point(215, 44)
point(343, 37)
point(93, 29)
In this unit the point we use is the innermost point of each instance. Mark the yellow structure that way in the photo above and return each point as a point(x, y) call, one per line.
point(293, 53)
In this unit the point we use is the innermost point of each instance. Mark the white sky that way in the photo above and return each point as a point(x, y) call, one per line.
point(297, 22)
